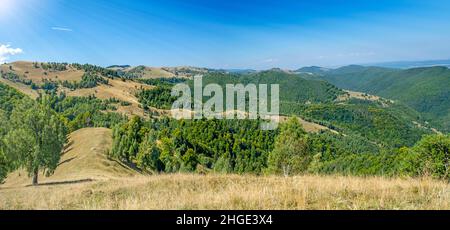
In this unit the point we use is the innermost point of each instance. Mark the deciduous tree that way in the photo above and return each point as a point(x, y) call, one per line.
point(291, 153)
point(37, 139)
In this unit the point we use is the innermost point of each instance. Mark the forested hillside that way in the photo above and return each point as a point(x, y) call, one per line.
point(426, 90)
point(382, 122)
point(292, 87)
point(364, 135)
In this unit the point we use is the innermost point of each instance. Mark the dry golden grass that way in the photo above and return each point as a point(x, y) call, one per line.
point(84, 159)
point(86, 179)
point(37, 75)
point(148, 72)
point(185, 191)
point(363, 96)
point(122, 90)
point(310, 127)
point(152, 72)
point(21, 88)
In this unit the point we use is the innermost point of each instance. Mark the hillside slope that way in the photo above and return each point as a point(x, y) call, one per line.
point(30, 77)
point(292, 87)
point(426, 90)
point(380, 120)
point(84, 159)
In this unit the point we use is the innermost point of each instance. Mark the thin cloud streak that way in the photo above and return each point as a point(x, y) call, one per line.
point(62, 29)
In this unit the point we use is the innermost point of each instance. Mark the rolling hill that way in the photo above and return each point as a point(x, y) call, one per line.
point(143, 72)
point(374, 118)
point(413, 64)
point(31, 78)
point(292, 87)
point(425, 89)
point(312, 70)
point(84, 159)
point(350, 133)
point(305, 95)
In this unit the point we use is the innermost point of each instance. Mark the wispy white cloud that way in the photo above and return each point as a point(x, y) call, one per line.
point(65, 29)
point(6, 51)
point(347, 55)
point(269, 60)
point(356, 54)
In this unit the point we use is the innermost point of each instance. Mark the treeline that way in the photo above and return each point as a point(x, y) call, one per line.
point(47, 85)
point(51, 66)
point(162, 81)
point(168, 145)
point(88, 80)
point(159, 97)
point(110, 73)
point(239, 146)
point(11, 76)
point(93, 69)
point(9, 97)
point(389, 126)
point(82, 112)
point(428, 157)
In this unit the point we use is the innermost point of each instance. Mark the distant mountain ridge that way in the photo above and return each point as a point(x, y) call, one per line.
point(412, 64)
point(312, 70)
point(425, 89)
point(375, 122)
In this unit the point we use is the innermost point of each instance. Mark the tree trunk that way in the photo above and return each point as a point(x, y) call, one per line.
point(286, 170)
point(35, 177)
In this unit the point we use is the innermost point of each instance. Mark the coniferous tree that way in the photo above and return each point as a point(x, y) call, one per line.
point(148, 155)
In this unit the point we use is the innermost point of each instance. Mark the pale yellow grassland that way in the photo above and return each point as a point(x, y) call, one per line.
point(87, 179)
point(185, 191)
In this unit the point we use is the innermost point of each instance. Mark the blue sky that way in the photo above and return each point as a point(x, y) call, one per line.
point(224, 34)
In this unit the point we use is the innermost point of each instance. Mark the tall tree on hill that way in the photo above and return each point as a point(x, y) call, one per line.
point(4, 165)
point(435, 153)
point(291, 153)
point(37, 139)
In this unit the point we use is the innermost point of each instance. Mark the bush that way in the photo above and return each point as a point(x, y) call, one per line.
point(434, 151)
point(291, 153)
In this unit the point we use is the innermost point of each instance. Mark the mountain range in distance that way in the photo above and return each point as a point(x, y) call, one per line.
point(411, 64)
point(424, 89)
point(421, 85)
point(321, 69)
point(392, 65)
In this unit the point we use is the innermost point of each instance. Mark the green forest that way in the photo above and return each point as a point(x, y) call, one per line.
point(424, 89)
point(363, 138)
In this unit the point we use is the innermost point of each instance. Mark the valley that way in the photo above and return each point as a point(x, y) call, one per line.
point(350, 138)
point(425, 89)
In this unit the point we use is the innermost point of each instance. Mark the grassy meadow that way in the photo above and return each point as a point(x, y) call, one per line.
point(190, 191)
